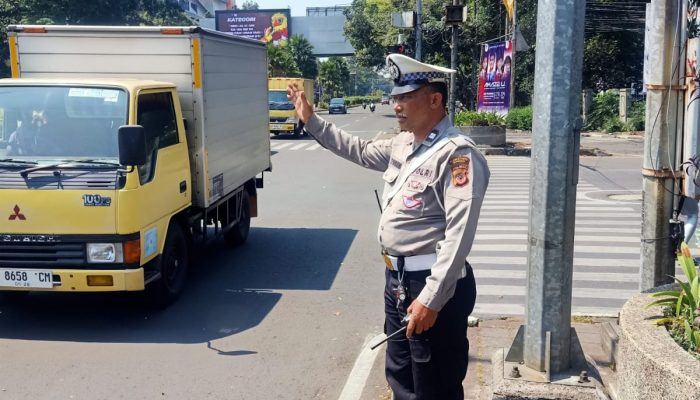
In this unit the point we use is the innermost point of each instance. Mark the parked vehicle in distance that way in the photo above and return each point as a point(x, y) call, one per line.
point(338, 106)
point(385, 99)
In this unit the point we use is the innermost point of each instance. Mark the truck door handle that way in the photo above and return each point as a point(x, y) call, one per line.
point(183, 186)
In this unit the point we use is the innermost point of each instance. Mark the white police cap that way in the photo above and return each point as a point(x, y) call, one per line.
point(409, 74)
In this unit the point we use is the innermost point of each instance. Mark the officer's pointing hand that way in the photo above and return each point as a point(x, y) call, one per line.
point(297, 96)
point(422, 318)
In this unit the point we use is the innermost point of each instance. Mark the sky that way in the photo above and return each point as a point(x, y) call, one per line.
point(298, 6)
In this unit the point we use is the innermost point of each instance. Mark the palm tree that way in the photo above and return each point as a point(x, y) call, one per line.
point(302, 51)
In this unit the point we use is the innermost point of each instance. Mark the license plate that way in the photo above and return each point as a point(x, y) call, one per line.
point(280, 127)
point(21, 278)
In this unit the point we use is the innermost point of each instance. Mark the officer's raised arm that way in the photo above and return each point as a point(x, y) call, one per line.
point(367, 153)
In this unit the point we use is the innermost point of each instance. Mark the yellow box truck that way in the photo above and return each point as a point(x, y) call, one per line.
point(283, 118)
point(126, 147)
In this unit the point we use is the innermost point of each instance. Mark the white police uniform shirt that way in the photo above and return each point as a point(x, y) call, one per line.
point(435, 209)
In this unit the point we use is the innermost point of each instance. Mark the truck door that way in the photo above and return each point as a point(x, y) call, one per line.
point(165, 178)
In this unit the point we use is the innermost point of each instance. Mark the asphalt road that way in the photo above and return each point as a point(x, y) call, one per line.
point(284, 317)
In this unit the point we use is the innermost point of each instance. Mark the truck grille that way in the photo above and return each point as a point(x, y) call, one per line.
point(68, 179)
point(38, 251)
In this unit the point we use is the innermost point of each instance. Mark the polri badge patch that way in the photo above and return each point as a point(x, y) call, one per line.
point(460, 170)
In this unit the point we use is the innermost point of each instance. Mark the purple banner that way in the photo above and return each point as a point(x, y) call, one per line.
point(270, 26)
point(494, 77)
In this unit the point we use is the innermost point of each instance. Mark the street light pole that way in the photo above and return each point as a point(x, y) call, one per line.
point(453, 65)
point(419, 31)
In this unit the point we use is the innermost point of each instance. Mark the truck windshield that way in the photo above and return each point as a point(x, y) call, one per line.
point(50, 122)
point(278, 100)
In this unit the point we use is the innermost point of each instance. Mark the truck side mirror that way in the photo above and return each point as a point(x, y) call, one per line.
point(132, 145)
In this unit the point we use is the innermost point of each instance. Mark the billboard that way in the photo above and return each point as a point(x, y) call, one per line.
point(494, 77)
point(270, 26)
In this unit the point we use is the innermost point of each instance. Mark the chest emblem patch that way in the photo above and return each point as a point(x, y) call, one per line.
point(412, 202)
point(460, 170)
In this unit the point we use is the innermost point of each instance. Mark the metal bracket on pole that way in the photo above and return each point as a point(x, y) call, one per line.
point(654, 86)
point(661, 173)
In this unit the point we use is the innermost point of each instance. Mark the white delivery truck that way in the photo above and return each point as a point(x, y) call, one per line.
point(123, 144)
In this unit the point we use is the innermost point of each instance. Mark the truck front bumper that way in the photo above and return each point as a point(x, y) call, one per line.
point(81, 280)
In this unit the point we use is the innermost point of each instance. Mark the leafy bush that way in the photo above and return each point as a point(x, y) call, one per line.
point(636, 118)
point(471, 118)
point(520, 118)
point(605, 107)
point(353, 100)
point(683, 305)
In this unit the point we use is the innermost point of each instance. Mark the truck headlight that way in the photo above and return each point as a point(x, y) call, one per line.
point(291, 120)
point(105, 253)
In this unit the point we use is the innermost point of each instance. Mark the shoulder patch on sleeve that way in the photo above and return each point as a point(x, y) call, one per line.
point(459, 165)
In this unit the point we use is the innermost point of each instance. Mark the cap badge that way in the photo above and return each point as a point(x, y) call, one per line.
point(394, 71)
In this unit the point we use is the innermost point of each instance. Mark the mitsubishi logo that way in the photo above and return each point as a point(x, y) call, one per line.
point(17, 214)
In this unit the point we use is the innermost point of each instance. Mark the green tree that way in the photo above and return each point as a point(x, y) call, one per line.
point(85, 12)
point(302, 52)
point(333, 75)
point(281, 63)
point(249, 5)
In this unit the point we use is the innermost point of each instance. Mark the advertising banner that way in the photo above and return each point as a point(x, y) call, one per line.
point(270, 26)
point(494, 77)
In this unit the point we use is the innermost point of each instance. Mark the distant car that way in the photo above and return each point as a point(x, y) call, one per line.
point(385, 99)
point(337, 106)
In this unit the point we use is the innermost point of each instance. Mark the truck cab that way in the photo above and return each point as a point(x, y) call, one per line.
point(78, 220)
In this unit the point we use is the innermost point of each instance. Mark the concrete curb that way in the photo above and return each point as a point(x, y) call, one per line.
point(651, 365)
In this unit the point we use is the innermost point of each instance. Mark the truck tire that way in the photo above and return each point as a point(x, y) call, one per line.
point(172, 265)
point(238, 233)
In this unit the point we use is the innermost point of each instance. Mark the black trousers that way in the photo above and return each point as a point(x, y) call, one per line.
point(432, 365)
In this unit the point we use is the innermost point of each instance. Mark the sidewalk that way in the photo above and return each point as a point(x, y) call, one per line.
point(493, 334)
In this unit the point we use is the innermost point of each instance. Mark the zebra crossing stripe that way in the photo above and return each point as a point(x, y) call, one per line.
point(281, 146)
point(578, 276)
point(596, 222)
point(479, 260)
point(523, 228)
point(519, 309)
point(314, 147)
point(510, 248)
point(498, 207)
point(581, 293)
point(299, 146)
point(578, 238)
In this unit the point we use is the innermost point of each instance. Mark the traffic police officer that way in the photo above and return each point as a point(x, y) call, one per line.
point(434, 185)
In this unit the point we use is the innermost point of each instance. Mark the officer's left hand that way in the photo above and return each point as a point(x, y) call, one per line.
point(422, 318)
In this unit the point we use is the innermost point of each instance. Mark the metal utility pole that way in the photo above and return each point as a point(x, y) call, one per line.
point(419, 31)
point(453, 65)
point(659, 163)
point(553, 178)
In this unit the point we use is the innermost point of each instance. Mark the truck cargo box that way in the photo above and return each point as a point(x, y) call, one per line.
point(221, 80)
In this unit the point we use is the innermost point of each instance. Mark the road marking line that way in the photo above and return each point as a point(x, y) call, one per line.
point(577, 238)
point(314, 147)
point(578, 276)
point(477, 261)
point(281, 146)
point(299, 146)
point(521, 228)
point(597, 222)
point(519, 309)
point(501, 206)
point(509, 248)
point(357, 379)
point(581, 293)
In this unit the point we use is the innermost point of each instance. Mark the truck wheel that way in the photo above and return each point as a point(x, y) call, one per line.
point(238, 233)
point(173, 265)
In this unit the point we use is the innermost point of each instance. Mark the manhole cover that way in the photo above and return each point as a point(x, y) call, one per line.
point(626, 197)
